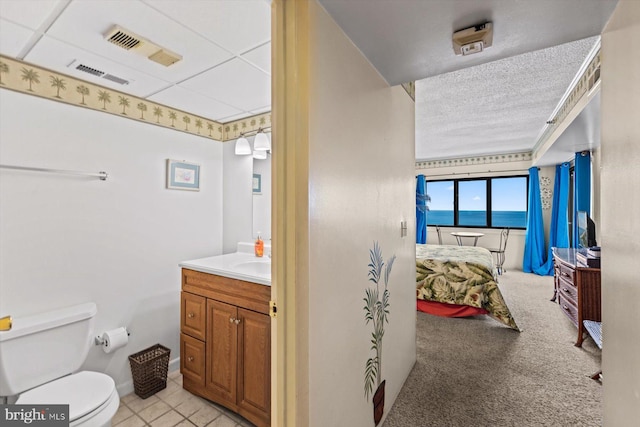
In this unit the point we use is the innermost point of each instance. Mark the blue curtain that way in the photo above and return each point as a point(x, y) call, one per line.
point(534, 253)
point(559, 229)
point(421, 210)
point(581, 189)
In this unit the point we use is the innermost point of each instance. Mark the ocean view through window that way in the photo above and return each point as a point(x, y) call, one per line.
point(494, 202)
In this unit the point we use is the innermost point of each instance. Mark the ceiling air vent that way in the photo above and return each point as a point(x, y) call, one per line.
point(134, 43)
point(115, 79)
point(77, 65)
point(123, 38)
point(89, 70)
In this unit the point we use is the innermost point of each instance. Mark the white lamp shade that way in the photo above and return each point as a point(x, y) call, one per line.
point(242, 146)
point(261, 143)
point(260, 155)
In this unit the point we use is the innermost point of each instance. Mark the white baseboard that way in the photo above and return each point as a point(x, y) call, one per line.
point(126, 387)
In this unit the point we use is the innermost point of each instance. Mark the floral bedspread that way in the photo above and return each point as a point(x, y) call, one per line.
point(463, 275)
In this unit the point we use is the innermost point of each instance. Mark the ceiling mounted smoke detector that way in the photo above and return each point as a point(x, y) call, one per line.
point(134, 43)
point(473, 39)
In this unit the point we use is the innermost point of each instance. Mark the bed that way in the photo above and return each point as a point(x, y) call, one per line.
point(458, 281)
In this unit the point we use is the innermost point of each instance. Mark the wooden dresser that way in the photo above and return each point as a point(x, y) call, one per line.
point(576, 289)
point(225, 343)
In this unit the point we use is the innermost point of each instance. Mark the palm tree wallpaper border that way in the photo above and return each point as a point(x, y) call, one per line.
point(29, 79)
point(376, 311)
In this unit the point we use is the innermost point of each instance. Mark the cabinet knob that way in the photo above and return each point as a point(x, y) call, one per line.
point(190, 358)
point(231, 320)
point(237, 321)
point(190, 315)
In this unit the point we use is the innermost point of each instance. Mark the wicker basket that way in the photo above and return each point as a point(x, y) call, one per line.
point(149, 370)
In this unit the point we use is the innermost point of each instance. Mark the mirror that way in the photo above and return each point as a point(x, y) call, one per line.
point(262, 198)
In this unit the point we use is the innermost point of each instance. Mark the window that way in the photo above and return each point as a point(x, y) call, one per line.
point(480, 202)
point(472, 203)
point(441, 206)
point(509, 202)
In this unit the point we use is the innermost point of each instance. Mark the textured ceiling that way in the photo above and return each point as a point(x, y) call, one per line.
point(498, 107)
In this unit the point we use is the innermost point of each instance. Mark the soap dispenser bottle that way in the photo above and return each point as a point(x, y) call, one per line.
point(259, 246)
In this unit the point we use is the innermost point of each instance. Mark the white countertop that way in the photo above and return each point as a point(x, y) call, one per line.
point(237, 265)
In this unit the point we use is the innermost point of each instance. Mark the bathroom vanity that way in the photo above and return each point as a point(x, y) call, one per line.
point(225, 339)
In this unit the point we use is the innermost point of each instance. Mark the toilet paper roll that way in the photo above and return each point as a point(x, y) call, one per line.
point(114, 339)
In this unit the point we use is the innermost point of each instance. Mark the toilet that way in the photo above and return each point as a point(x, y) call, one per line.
point(39, 359)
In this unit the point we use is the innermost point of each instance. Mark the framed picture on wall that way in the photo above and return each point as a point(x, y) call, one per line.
point(182, 175)
point(257, 183)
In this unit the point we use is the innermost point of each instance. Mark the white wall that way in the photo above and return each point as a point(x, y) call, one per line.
point(361, 186)
point(237, 200)
point(619, 211)
point(67, 240)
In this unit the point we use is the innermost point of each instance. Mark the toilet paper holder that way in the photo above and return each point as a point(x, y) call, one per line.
point(100, 341)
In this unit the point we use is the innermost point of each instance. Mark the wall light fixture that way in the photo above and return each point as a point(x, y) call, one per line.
point(261, 143)
point(242, 146)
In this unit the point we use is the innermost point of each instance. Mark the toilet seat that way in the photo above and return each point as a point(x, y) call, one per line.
point(84, 392)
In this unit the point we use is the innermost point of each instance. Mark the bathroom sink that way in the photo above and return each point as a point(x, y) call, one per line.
point(253, 267)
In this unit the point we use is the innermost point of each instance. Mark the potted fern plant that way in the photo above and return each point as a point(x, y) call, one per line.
point(376, 312)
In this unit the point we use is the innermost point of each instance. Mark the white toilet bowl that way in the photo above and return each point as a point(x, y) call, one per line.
point(92, 398)
point(41, 356)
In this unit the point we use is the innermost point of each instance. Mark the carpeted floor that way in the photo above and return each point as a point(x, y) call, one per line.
point(477, 372)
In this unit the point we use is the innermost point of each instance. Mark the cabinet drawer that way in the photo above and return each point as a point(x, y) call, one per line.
point(193, 319)
point(568, 291)
point(569, 309)
point(567, 273)
point(251, 296)
point(192, 358)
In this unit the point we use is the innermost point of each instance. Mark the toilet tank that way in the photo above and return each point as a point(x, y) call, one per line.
point(43, 347)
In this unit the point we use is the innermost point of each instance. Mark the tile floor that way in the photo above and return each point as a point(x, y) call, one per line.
point(174, 406)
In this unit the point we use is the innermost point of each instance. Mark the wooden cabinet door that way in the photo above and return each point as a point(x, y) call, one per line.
point(192, 358)
point(254, 363)
point(222, 349)
point(192, 315)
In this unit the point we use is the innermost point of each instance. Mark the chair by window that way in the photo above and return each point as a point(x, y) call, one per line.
point(439, 234)
point(499, 251)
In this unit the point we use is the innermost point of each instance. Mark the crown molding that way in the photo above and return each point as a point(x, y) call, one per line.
point(476, 160)
point(410, 87)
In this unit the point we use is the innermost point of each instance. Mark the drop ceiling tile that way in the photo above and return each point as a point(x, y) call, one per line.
point(260, 57)
point(57, 56)
point(194, 103)
point(235, 83)
point(84, 24)
point(235, 117)
point(13, 38)
point(31, 14)
point(261, 110)
point(234, 25)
